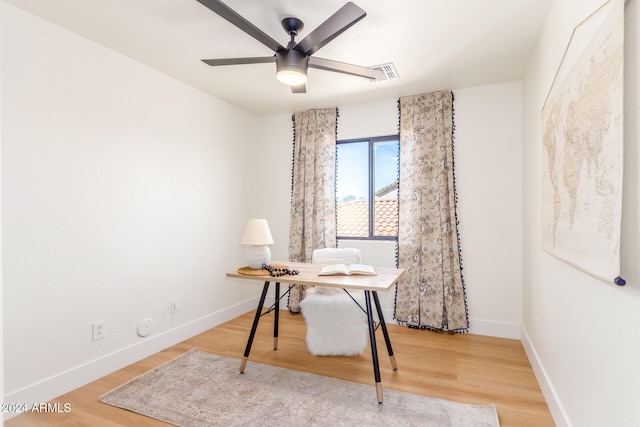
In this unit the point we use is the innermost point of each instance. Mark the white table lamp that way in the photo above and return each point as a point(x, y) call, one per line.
point(257, 236)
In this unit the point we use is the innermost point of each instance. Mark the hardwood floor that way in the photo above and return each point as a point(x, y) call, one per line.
point(463, 367)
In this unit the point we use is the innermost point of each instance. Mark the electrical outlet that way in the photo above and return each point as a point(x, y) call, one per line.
point(173, 306)
point(98, 330)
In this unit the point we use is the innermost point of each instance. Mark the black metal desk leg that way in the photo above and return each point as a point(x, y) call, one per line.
point(276, 315)
point(243, 364)
point(384, 330)
point(374, 349)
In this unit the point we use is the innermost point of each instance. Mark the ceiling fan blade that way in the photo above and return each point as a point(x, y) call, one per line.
point(335, 25)
point(299, 89)
point(233, 17)
point(342, 67)
point(238, 61)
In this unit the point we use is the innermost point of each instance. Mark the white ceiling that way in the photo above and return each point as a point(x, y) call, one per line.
point(434, 44)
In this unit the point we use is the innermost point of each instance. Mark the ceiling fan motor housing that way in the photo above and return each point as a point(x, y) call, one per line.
point(292, 64)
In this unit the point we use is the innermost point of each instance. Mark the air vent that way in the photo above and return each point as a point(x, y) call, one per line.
point(389, 72)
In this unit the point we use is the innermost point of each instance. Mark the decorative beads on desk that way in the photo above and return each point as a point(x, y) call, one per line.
point(277, 270)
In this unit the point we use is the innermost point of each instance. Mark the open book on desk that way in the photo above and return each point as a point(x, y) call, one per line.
point(347, 270)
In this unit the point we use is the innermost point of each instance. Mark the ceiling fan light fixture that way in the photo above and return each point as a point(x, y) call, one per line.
point(291, 77)
point(291, 67)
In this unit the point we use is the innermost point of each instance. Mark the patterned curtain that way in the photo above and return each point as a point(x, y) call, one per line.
point(431, 294)
point(313, 194)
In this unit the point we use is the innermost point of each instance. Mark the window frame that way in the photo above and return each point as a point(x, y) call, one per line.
point(371, 180)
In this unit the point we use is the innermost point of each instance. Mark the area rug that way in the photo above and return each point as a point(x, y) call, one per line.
point(203, 389)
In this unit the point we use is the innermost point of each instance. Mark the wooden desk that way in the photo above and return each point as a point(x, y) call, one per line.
point(308, 275)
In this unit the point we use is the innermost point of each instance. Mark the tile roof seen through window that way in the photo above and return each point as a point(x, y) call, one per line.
point(353, 216)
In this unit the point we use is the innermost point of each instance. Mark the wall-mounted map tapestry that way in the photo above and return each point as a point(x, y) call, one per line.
point(582, 152)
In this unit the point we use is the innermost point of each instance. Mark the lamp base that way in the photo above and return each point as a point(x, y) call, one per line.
point(258, 255)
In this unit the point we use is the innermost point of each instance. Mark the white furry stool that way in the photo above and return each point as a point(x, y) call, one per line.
point(336, 326)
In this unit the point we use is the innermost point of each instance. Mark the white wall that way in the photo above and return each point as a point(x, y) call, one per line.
point(121, 190)
point(269, 177)
point(1, 274)
point(580, 333)
point(488, 175)
point(488, 153)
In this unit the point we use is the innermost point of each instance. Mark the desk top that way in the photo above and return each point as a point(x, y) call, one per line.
point(383, 281)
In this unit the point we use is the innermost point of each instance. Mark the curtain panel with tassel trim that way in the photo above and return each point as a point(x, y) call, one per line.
point(313, 193)
point(431, 295)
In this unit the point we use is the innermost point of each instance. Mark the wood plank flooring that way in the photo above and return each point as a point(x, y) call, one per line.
point(463, 367)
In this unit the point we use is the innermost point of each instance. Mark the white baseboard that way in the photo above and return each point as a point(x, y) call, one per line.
point(555, 407)
point(64, 382)
point(478, 327)
point(494, 329)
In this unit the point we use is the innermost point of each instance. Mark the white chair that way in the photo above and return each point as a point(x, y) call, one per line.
point(336, 326)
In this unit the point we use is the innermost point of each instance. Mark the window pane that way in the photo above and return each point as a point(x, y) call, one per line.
point(352, 189)
point(385, 176)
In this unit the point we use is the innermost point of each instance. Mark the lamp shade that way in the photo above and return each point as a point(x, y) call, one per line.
point(257, 233)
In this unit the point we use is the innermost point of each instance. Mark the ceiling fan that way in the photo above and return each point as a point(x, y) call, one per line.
point(293, 60)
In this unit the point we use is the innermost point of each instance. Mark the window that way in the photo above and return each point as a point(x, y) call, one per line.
point(367, 188)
